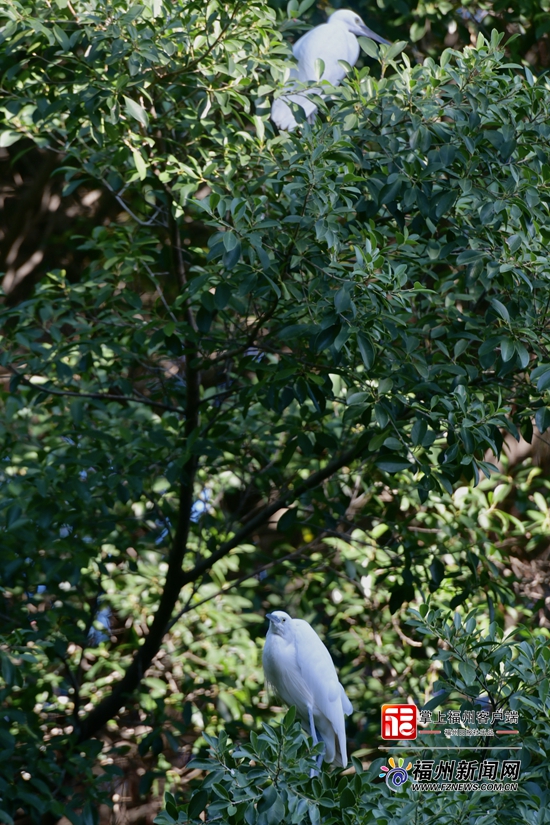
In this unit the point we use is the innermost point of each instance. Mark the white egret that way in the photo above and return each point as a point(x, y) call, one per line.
point(299, 667)
point(331, 42)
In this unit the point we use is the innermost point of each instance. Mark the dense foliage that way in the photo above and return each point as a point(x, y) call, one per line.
point(281, 374)
point(268, 780)
point(431, 26)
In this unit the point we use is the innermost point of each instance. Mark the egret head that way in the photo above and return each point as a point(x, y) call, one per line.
point(280, 623)
point(355, 25)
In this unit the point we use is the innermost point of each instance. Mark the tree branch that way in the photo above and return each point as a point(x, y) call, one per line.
point(263, 515)
point(111, 704)
point(109, 396)
point(235, 582)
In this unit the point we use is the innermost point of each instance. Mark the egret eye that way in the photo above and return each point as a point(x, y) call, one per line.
point(358, 20)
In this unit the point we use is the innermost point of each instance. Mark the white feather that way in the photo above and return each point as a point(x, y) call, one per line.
point(330, 42)
point(300, 668)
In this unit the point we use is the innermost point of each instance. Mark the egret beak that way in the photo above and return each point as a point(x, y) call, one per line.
point(272, 618)
point(366, 32)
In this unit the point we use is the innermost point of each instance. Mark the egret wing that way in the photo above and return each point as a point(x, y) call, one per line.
point(330, 45)
point(281, 112)
point(283, 672)
point(281, 115)
point(346, 704)
point(327, 694)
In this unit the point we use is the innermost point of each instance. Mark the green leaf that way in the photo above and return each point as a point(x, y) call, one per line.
point(288, 520)
point(222, 296)
point(325, 338)
point(445, 482)
point(342, 300)
point(393, 464)
point(418, 431)
point(221, 791)
point(459, 599)
point(469, 256)
point(544, 381)
point(275, 814)
point(400, 593)
point(131, 15)
point(341, 338)
point(542, 419)
point(269, 796)
point(62, 38)
point(523, 353)
point(198, 804)
point(250, 816)
point(357, 398)
point(8, 138)
point(8, 670)
point(437, 571)
point(290, 716)
point(501, 309)
point(230, 240)
point(460, 347)
point(468, 673)
point(369, 47)
point(140, 164)
point(136, 111)
point(231, 258)
point(171, 807)
point(292, 8)
point(395, 49)
point(319, 68)
point(314, 813)
point(260, 127)
point(514, 242)
point(507, 349)
point(366, 349)
point(77, 411)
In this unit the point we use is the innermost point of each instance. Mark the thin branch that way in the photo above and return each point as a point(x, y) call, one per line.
point(406, 639)
point(96, 395)
point(265, 514)
point(160, 292)
point(127, 208)
point(230, 585)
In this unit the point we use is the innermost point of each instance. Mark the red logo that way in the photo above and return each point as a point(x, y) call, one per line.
point(399, 721)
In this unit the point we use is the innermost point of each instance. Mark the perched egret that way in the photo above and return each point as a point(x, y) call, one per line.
point(299, 667)
point(330, 42)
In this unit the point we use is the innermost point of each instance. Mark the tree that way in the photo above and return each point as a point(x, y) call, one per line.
point(276, 346)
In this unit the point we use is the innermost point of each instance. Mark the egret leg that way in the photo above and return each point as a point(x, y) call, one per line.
point(315, 771)
point(316, 739)
point(322, 754)
point(312, 725)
